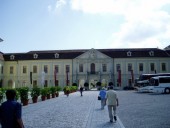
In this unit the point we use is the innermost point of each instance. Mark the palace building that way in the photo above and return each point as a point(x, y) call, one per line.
point(65, 67)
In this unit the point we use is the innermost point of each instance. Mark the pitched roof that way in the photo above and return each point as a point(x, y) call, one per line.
point(71, 54)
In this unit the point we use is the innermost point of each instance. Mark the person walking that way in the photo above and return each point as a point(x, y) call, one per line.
point(81, 91)
point(11, 111)
point(112, 103)
point(102, 95)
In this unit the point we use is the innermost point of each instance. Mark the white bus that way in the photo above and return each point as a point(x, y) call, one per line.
point(160, 84)
point(144, 84)
point(144, 78)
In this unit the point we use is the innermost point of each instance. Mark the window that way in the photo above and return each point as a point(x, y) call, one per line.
point(129, 53)
point(2, 69)
point(56, 83)
point(56, 68)
point(117, 67)
point(12, 57)
point(92, 68)
point(46, 83)
point(34, 83)
point(151, 53)
point(80, 67)
point(140, 66)
point(35, 56)
point(24, 70)
point(164, 80)
point(104, 67)
point(45, 68)
point(67, 68)
point(129, 67)
point(163, 66)
point(34, 69)
point(152, 67)
point(11, 70)
point(56, 55)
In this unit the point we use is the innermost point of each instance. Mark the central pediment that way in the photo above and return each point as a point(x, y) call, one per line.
point(92, 54)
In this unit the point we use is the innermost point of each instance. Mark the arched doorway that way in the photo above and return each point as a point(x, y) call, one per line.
point(11, 84)
point(104, 83)
point(92, 83)
point(81, 83)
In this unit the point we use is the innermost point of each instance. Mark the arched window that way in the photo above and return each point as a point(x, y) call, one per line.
point(92, 67)
point(10, 82)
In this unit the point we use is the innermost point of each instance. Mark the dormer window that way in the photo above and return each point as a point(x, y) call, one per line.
point(56, 55)
point(12, 57)
point(129, 53)
point(151, 53)
point(35, 56)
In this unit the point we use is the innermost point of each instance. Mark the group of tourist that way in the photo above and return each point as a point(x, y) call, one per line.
point(110, 98)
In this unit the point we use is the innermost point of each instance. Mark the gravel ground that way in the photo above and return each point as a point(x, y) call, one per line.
point(144, 110)
point(136, 110)
point(68, 112)
point(61, 112)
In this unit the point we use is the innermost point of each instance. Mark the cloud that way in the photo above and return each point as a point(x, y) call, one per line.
point(146, 23)
point(60, 3)
point(146, 32)
point(92, 6)
point(124, 7)
point(58, 6)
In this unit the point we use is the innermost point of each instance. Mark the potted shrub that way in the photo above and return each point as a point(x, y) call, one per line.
point(53, 91)
point(48, 92)
point(17, 94)
point(2, 92)
point(23, 92)
point(58, 88)
point(74, 84)
point(35, 93)
point(73, 88)
point(66, 90)
point(43, 94)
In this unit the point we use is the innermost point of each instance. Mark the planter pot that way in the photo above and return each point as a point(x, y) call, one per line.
point(34, 99)
point(43, 98)
point(53, 95)
point(66, 92)
point(48, 96)
point(57, 94)
point(25, 102)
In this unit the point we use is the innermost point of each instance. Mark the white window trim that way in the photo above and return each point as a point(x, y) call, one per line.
point(151, 53)
point(129, 53)
point(12, 57)
point(56, 55)
point(35, 56)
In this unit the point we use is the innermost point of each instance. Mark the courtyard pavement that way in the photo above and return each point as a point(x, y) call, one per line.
point(68, 112)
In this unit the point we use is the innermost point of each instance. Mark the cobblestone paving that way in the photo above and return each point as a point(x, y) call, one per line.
point(68, 112)
point(144, 110)
point(136, 110)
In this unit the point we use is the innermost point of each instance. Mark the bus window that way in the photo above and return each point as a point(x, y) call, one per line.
point(156, 83)
point(164, 80)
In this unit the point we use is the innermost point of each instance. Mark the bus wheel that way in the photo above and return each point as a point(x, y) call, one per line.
point(167, 90)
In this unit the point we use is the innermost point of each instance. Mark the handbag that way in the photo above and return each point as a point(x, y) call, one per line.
point(99, 98)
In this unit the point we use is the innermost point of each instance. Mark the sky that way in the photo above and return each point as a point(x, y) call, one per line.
point(30, 25)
